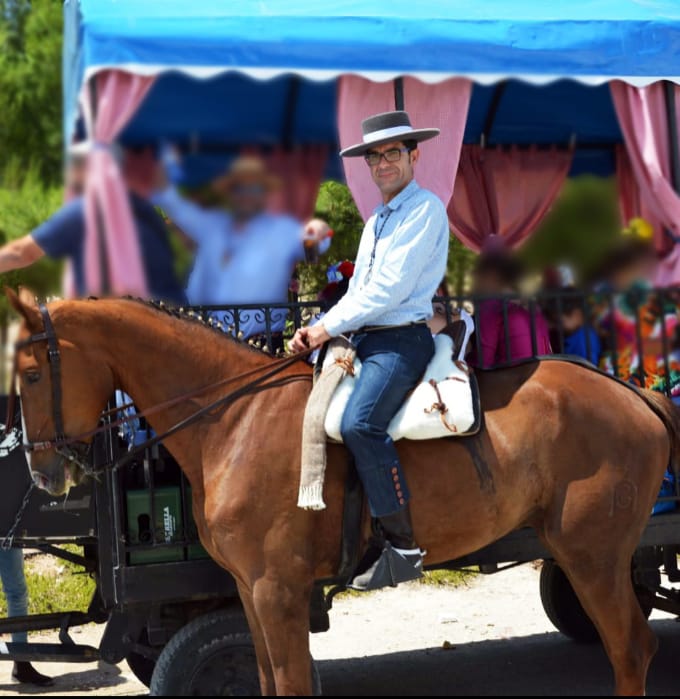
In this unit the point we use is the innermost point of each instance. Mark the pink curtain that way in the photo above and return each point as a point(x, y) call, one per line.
point(106, 196)
point(300, 171)
point(505, 192)
point(631, 203)
point(642, 116)
point(443, 105)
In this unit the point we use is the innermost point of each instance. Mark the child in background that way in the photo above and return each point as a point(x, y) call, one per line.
point(505, 326)
point(580, 339)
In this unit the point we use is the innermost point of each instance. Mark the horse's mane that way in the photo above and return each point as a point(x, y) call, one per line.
point(190, 316)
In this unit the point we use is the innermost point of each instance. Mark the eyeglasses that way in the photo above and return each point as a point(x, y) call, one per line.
point(391, 156)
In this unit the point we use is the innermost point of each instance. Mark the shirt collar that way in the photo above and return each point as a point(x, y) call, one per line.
point(411, 188)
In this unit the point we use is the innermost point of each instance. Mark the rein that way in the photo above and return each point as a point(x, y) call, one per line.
point(61, 441)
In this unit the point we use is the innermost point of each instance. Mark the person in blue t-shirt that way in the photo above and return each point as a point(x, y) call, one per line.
point(63, 236)
point(580, 338)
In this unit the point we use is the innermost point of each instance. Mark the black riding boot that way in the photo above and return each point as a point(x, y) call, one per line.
point(399, 561)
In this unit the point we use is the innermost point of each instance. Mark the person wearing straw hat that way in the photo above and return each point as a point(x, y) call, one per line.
point(400, 263)
point(244, 254)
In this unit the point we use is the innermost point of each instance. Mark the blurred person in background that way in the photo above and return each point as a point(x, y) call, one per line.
point(244, 255)
point(631, 316)
point(675, 352)
point(338, 276)
point(580, 337)
point(63, 236)
point(16, 594)
point(566, 309)
point(497, 273)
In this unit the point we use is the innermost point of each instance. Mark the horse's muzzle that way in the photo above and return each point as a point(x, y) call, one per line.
point(58, 475)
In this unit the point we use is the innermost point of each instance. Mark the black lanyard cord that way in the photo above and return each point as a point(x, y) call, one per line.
point(377, 232)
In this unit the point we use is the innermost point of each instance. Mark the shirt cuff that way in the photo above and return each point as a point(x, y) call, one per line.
point(333, 326)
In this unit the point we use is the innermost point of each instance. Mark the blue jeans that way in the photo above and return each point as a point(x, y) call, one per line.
point(14, 587)
point(392, 363)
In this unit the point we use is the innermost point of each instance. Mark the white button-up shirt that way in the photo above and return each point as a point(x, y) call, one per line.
point(396, 275)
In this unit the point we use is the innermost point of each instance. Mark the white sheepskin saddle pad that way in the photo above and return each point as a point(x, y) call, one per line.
point(444, 404)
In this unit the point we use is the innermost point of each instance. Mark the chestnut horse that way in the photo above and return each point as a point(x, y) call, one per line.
point(569, 451)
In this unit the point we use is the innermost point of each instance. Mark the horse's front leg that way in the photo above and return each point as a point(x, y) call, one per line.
point(281, 600)
point(264, 665)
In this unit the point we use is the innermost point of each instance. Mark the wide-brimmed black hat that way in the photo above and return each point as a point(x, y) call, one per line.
point(385, 128)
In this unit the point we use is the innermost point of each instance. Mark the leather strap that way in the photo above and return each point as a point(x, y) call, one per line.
point(54, 359)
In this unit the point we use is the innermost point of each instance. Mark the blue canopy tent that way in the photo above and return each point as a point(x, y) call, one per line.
point(264, 71)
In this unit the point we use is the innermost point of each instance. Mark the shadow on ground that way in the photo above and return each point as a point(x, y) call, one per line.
point(542, 664)
point(73, 680)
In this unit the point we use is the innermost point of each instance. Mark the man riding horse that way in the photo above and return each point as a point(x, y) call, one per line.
point(400, 262)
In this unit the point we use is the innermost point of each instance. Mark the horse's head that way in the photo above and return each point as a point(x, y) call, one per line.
point(61, 391)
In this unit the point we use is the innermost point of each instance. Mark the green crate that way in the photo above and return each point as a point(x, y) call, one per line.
point(168, 525)
point(195, 551)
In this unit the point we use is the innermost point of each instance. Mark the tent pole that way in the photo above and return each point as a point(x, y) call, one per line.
point(290, 108)
point(672, 120)
point(493, 110)
point(399, 93)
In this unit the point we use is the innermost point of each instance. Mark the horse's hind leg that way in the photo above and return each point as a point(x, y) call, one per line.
point(606, 592)
point(264, 665)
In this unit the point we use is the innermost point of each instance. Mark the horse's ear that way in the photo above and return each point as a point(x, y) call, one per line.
point(25, 305)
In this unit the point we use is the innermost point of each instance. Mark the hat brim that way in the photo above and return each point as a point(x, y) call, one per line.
point(415, 135)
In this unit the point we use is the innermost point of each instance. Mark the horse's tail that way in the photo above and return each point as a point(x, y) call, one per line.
point(669, 414)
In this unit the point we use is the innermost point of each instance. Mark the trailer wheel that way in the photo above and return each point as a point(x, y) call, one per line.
point(142, 666)
point(211, 656)
point(564, 609)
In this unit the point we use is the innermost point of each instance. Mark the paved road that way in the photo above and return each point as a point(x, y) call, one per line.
point(498, 642)
point(537, 665)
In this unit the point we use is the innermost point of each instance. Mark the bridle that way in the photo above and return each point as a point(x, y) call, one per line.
point(76, 449)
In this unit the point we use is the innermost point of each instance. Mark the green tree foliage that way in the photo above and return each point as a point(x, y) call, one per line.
point(30, 85)
point(23, 206)
point(580, 229)
point(336, 206)
point(30, 131)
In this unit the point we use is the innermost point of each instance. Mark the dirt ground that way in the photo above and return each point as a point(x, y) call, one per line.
point(490, 637)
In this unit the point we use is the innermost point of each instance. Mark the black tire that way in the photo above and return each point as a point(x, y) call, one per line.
point(562, 606)
point(213, 655)
point(141, 666)
point(564, 609)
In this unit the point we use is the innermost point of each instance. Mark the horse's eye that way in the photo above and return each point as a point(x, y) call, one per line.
point(32, 376)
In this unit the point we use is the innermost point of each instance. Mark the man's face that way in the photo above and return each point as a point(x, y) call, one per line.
point(392, 177)
point(247, 198)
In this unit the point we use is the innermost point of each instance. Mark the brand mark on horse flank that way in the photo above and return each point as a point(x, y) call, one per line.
point(484, 473)
point(624, 496)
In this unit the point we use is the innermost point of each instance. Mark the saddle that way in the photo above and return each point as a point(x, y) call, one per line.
point(444, 404)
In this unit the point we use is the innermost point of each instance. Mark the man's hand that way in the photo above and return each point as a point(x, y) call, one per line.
point(19, 253)
point(316, 230)
point(311, 337)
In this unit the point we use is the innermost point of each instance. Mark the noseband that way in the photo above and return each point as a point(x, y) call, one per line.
point(60, 443)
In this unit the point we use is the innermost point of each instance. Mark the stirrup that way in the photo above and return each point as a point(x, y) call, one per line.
point(387, 570)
